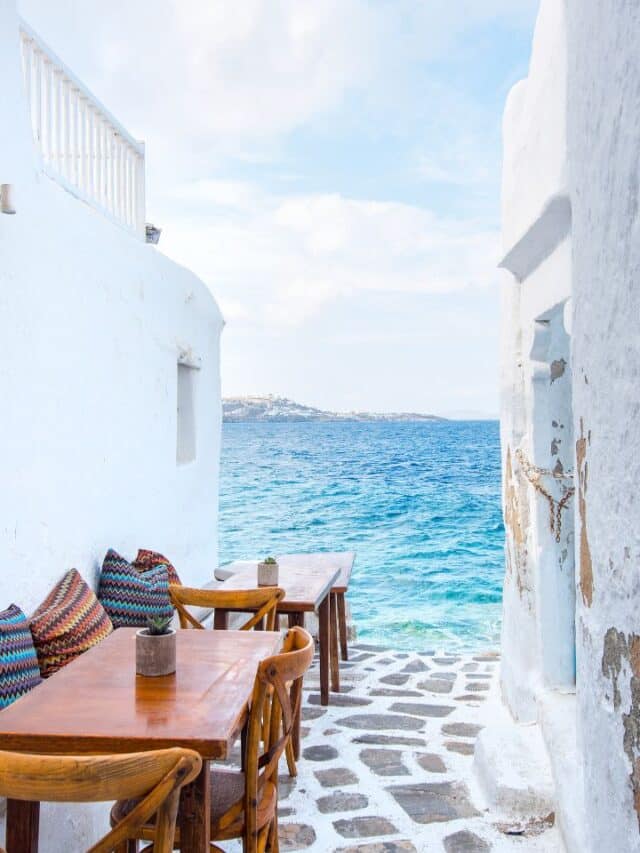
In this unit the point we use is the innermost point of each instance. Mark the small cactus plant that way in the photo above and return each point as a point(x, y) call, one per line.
point(270, 561)
point(158, 626)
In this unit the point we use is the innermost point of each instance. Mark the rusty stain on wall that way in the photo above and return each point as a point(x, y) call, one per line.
point(557, 369)
point(516, 519)
point(617, 649)
point(586, 565)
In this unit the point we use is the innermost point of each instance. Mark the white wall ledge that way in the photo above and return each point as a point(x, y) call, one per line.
point(548, 231)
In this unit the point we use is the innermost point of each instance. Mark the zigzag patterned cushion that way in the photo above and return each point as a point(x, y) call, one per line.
point(131, 597)
point(151, 560)
point(68, 622)
point(19, 671)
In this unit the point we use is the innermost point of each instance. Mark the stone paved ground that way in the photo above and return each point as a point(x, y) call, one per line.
point(387, 767)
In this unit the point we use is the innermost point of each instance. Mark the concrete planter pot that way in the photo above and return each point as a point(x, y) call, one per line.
point(267, 574)
point(155, 653)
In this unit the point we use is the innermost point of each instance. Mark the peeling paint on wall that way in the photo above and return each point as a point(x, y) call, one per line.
point(586, 565)
point(516, 519)
point(618, 650)
point(557, 369)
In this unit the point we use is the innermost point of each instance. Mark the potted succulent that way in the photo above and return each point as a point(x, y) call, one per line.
point(156, 647)
point(268, 572)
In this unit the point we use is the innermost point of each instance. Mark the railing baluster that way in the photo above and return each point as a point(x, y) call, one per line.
point(38, 97)
point(57, 81)
point(26, 65)
point(67, 128)
point(91, 151)
point(46, 148)
point(112, 176)
point(98, 159)
point(81, 144)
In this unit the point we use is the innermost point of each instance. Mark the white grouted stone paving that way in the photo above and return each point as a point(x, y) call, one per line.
point(387, 767)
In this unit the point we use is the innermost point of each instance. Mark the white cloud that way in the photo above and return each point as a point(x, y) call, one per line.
point(209, 73)
point(287, 257)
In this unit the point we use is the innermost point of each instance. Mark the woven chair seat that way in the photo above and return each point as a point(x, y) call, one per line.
point(227, 787)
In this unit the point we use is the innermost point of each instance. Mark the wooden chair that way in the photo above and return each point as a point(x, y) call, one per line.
point(153, 778)
point(262, 603)
point(264, 600)
point(245, 804)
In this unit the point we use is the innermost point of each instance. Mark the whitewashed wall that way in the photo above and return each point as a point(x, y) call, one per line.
point(93, 323)
point(572, 246)
point(604, 151)
point(536, 217)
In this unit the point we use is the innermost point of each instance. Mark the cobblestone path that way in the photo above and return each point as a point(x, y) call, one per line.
point(387, 767)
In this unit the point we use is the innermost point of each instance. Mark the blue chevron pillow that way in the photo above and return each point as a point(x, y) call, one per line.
point(130, 597)
point(19, 670)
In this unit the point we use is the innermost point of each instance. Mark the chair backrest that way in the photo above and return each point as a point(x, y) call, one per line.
point(155, 776)
point(277, 694)
point(261, 602)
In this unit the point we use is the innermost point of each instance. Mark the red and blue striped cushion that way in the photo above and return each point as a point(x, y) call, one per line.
point(131, 597)
point(147, 560)
point(68, 622)
point(19, 671)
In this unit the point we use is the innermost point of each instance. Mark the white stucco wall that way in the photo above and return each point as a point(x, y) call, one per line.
point(536, 222)
point(93, 323)
point(604, 146)
point(572, 244)
point(534, 129)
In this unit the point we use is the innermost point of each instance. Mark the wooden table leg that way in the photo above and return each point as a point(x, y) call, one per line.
point(195, 813)
point(333, 637)
point(296, 619)
point(220, 619)
point(23, 824)
point(324, 638)
point(342, 624)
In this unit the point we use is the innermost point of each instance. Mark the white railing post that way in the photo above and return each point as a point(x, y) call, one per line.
point(82, 145)
point(140, 201)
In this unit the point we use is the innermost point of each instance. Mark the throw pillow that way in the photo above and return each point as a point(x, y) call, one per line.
point(19, 671)
point(68, 622)
point(151, 560)
point(131, 597)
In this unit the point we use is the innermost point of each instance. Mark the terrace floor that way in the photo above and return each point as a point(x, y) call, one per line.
point(387, 767)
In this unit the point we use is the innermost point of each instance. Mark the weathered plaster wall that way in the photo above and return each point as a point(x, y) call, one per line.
point(604, 134)
point(92, 325)
point(572, 344)
point(536, 217)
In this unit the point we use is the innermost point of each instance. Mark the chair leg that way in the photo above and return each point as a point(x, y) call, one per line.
point(166, 824)
point(291, 759)
point(274, 841)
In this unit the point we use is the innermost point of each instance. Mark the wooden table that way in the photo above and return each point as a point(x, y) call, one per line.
point(342, 560)
point(305, 592)
point(98, 704)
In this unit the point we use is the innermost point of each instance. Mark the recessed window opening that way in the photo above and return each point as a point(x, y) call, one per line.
point(552, 476)
point(186, 420)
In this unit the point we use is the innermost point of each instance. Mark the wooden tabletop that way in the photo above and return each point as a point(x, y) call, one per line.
point(304, 590)
point(342, 560)
point(99, 704)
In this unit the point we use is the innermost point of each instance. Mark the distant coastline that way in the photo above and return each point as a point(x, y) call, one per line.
point(274, 409)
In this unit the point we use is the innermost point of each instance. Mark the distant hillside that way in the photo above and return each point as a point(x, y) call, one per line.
point(282, 410)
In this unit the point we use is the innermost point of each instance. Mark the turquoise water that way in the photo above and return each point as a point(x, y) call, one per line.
point(418, 502)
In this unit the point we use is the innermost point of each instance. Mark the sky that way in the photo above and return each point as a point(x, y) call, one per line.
point(331, 169)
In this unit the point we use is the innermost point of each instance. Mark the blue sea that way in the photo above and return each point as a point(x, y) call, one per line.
point(418, 502)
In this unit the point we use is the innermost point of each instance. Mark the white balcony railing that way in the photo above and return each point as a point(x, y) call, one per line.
point(82, 145)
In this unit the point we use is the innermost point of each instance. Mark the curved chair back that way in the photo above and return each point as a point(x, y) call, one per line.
point(276, 697)
point(156, 777)
point(261, 602)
